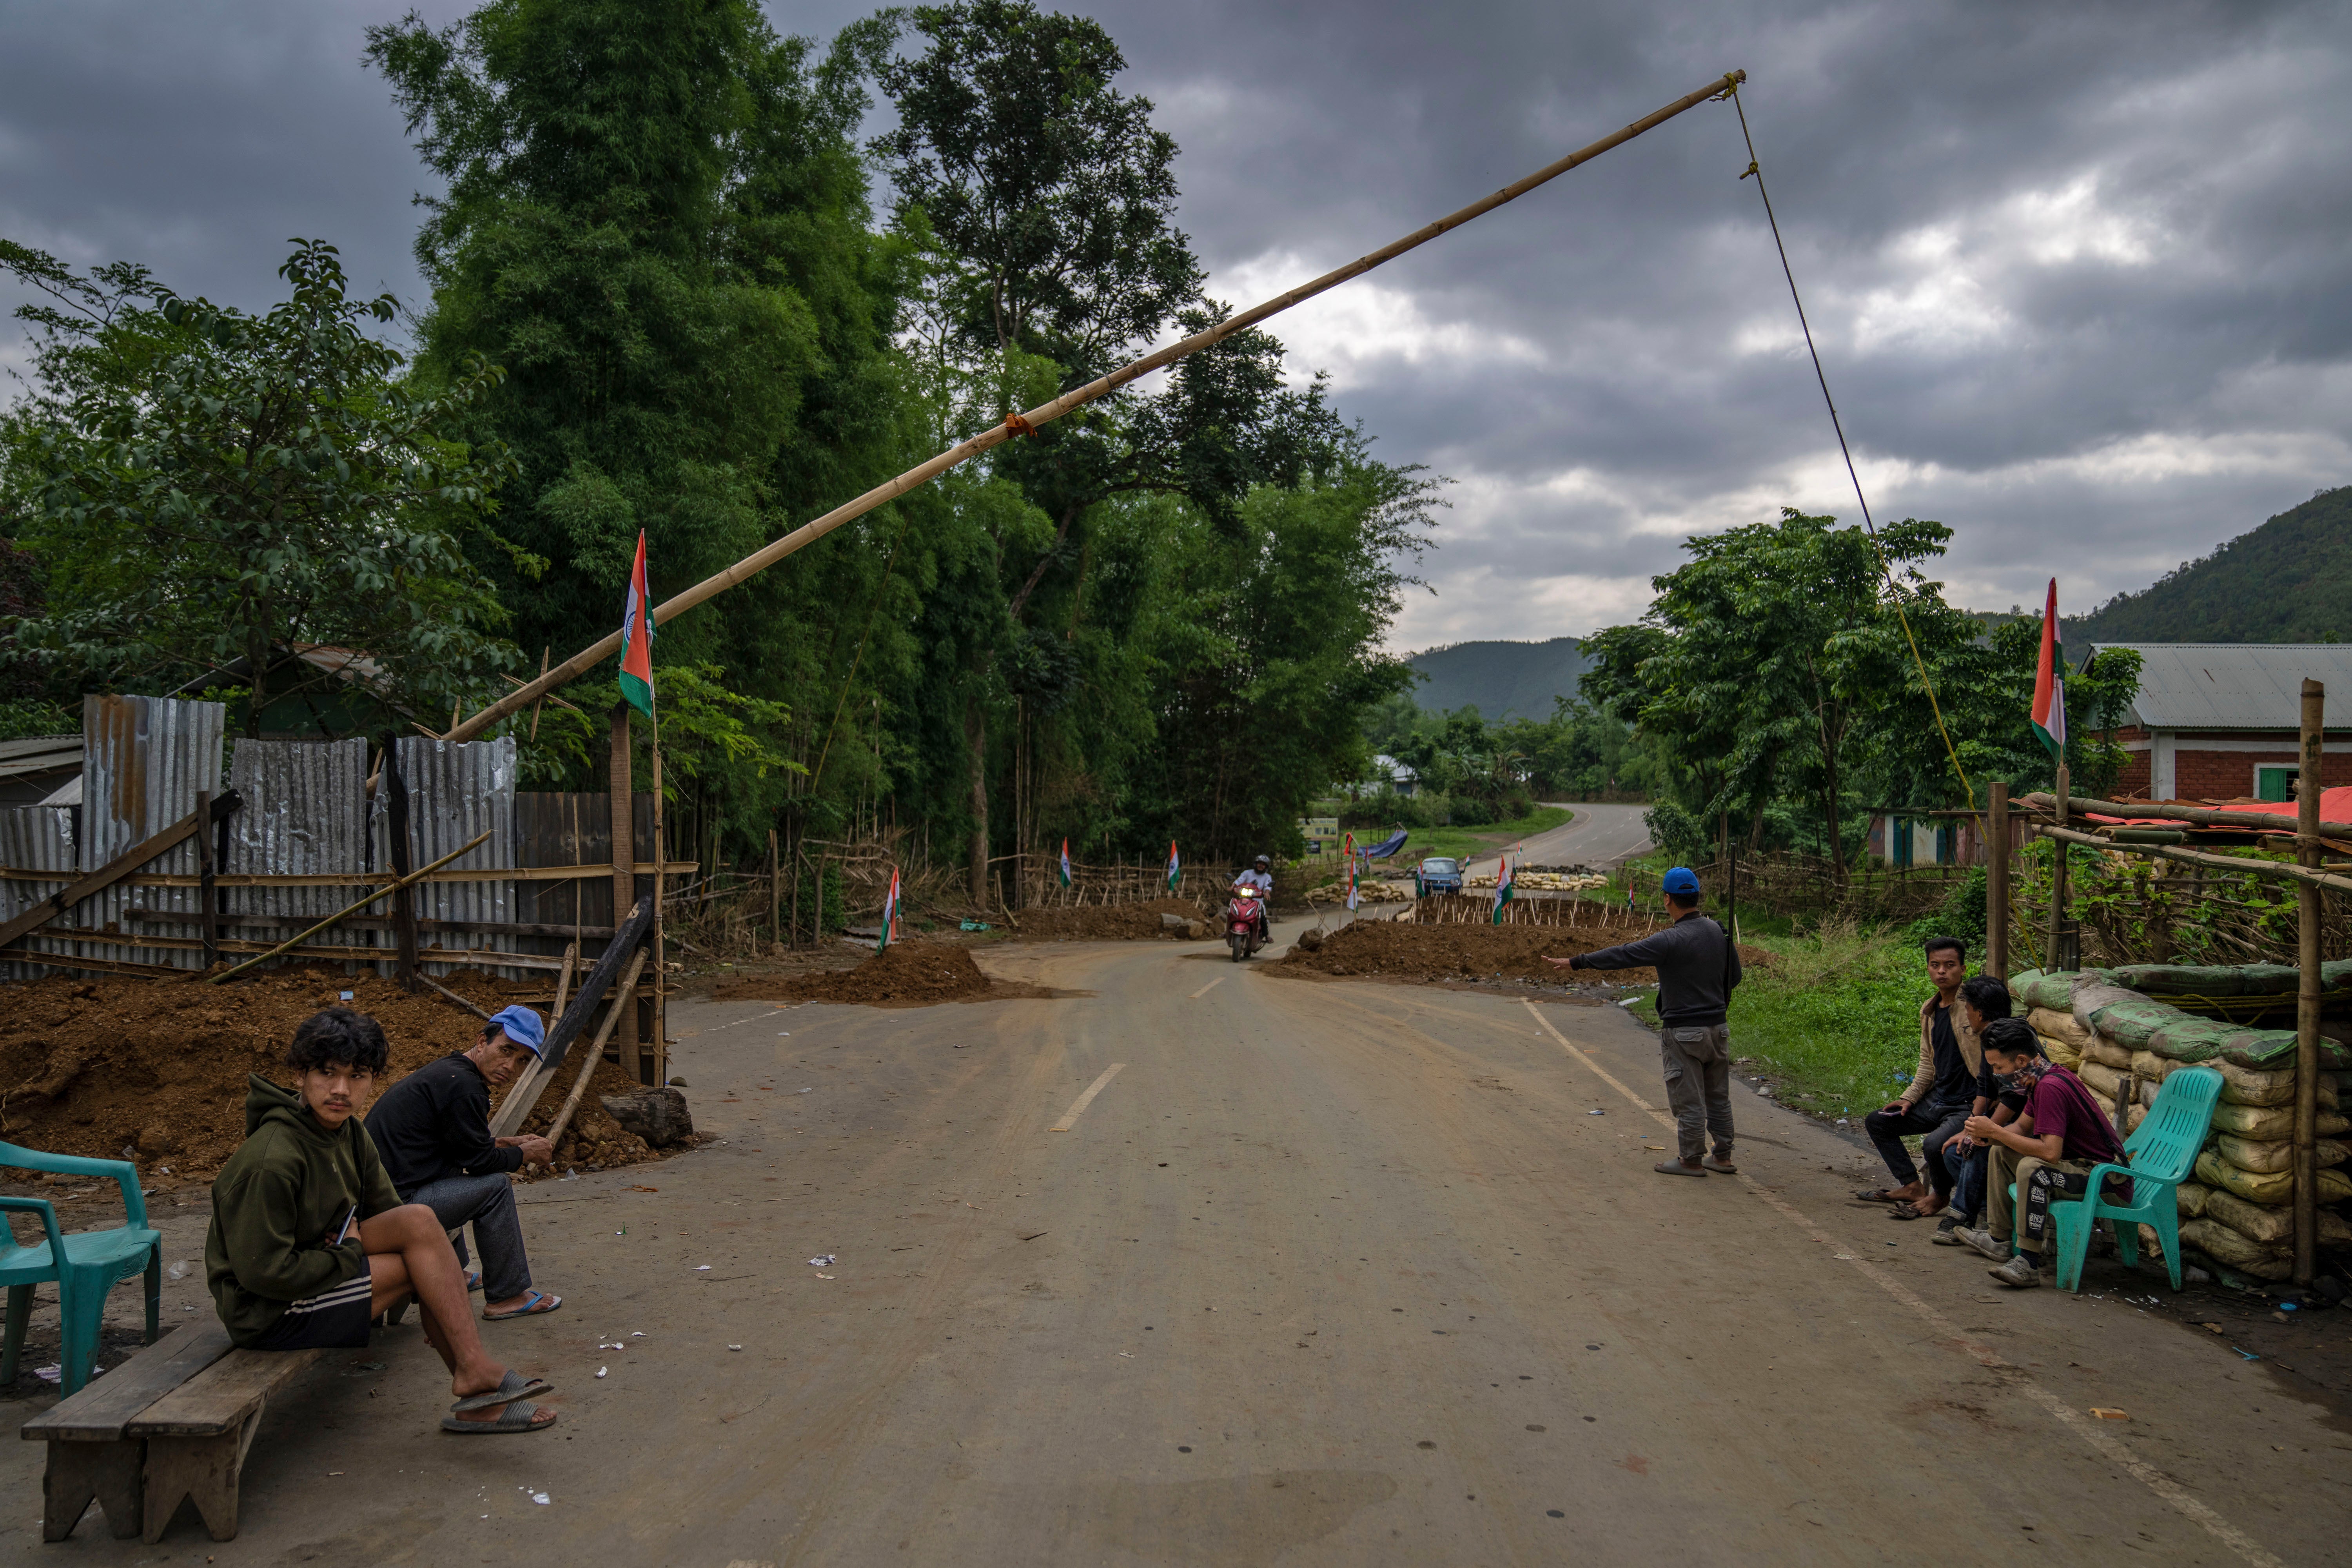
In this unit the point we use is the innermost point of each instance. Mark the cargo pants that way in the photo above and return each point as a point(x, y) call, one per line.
point(1697, 1063)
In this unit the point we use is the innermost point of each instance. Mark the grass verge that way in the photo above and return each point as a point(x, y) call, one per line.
point(1468, 843)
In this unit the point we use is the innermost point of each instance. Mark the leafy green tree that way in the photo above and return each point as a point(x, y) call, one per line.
point(1044, 198)
point(201, 487)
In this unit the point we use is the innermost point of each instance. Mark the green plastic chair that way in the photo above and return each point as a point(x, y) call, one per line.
point(2163, 1151)
point(85, 1264)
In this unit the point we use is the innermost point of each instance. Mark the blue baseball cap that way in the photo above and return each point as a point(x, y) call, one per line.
point(523, 1027)
point(1682, 882)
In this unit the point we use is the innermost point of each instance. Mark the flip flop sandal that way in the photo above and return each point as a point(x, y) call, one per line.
point(516, 1417)
point(473, 1281)
point(1675, 1168)
point(1721, 1167)
point(1905, 1211)
point(514, 1386)
point(540, 1302)
point(1879, 1195)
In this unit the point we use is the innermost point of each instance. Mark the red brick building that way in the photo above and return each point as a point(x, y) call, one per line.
point(2221, 721)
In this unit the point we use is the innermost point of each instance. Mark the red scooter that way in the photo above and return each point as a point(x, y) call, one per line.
point(1245, 922)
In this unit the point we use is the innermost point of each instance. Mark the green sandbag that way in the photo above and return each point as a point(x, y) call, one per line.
point(2208, 980)
point(2052, 989)
point(2269, 1190)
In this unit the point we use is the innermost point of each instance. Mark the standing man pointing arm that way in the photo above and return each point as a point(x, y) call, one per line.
point(1697, 966)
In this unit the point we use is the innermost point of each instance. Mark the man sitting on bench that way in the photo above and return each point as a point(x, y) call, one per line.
point(310, 1242)
point(431, 1131)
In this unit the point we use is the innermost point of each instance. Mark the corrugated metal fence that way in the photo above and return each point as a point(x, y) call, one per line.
point(305, 811)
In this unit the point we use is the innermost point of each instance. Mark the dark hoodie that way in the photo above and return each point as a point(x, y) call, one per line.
point(276, 1202)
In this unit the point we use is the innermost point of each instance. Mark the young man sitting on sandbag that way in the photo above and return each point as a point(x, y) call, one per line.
point(310, 1243)
point(2047, 1152)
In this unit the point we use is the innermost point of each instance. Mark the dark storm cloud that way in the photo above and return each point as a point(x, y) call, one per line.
point(2078, 273)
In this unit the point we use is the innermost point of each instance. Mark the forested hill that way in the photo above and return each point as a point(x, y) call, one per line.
point(2288, 580)
point(1501, 679)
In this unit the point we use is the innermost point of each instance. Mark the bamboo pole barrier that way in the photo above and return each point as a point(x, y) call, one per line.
point(2197, 816)
point(2270, 869)
point(2308, 917)
point(808, 533)
point(351, 910)
point(2057, 955)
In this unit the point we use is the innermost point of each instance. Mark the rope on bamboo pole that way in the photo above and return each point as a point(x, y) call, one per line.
point(808, 533)
point(2270, 869)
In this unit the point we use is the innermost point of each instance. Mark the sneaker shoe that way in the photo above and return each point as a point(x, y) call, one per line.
point(1984, 1242)
point(1947, 1232)
point(2019, 1273)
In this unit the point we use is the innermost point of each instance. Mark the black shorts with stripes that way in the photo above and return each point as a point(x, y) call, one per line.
point(332, 1319)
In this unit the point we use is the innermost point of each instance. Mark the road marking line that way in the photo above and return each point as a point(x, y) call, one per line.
point(2114, 1453)
point(1078, 1107)
point(1204, 990)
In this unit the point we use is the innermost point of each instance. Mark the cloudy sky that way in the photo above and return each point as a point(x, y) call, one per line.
point(2079, 274)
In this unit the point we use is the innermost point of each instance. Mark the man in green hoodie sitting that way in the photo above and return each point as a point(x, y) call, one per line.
point(310, 1243)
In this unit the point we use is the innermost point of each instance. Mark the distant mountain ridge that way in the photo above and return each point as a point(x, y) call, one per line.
point(2288, 580)
point(1501, 679)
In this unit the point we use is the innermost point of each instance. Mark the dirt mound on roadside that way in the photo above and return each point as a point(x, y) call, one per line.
point(1115, 922)
point(1392, 950)
point(904, 974)
point(94, 1067)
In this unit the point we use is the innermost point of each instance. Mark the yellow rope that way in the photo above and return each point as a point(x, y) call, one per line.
point(1756, 168)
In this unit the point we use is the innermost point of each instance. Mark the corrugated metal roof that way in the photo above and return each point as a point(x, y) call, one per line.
point(2237, 686)
point(39, 755)
point(147, 758)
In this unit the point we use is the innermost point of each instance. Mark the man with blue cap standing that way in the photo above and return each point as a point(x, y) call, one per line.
point(431, 1131)
point(1698, 966)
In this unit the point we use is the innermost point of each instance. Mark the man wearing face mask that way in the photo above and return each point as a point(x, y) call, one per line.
point(2047, 1152)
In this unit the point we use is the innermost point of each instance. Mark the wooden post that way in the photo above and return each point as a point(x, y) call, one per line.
point(625, 864)
point(799, 859)
point(208, 910)
point(404, 902)
point(775, 889)
point(2058, 879)
point(1997, 882)
point(658, 1056)
point(2309, 916)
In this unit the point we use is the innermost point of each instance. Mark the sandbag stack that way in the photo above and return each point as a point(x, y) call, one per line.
point(2112, 1028)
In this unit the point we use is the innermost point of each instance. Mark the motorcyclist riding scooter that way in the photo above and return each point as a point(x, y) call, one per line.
point(1261, 876)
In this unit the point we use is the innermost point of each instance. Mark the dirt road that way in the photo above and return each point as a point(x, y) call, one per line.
point(1598, 835)
point(1318, 1273)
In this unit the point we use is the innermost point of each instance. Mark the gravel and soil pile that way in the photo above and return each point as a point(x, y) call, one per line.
point(1116, 922)
point(905, 974)
point(158, 1066)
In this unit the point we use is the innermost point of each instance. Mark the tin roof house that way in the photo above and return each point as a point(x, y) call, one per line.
point(2216, 722)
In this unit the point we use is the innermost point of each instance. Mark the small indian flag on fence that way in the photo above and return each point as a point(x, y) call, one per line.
point(889, 916)
point(1175, 865)
point(637, 639)
point(2050, 682)
point(1066, 862)
point(1505, 890)
point(1347, 849)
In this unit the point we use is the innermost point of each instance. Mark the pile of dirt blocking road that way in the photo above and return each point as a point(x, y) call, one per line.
point(904, 974)
point(158, 1067)
point(1395, 950)
point(1115, 922)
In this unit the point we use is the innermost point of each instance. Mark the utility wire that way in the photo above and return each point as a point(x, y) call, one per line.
point(1886, 567)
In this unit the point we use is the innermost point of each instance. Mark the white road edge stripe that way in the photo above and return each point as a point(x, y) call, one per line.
point(1078, 1106)
point(2189, 1508)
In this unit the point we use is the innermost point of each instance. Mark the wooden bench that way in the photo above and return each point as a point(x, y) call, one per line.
point(173, 1422)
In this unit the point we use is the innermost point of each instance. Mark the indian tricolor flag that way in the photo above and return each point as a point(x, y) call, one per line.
point(1505, 890)
point(637, 639)
point(1066, 862)
point(889, 916)
point(1175, 865)
point(2050, 682)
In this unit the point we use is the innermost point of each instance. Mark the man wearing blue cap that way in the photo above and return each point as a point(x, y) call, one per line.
point(1698, 966)
point(431, 1131)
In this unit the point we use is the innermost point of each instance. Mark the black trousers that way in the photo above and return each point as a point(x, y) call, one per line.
point(1933, 1125)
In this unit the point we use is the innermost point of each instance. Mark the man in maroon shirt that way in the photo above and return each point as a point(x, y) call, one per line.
point(2048, 1152)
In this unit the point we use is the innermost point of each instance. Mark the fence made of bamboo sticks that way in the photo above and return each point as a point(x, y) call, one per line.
point(1589, 914)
